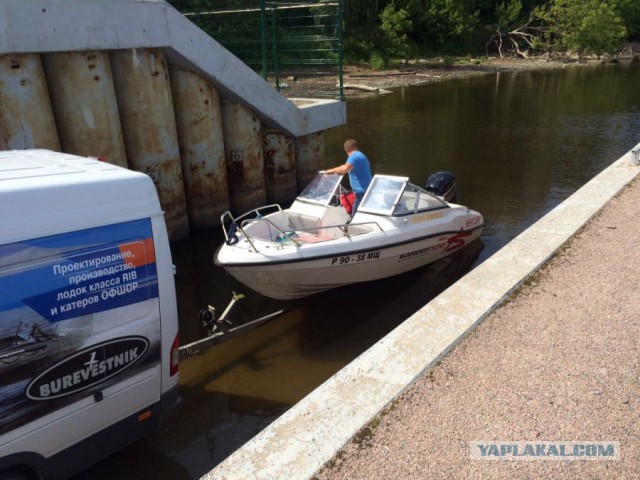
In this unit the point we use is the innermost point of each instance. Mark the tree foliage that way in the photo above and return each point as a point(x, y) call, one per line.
point(629, 11)
point(584, 26)
point(436, 25)
point(510, 29)
point(505, 27)
point(396, 25)
point(400, 28)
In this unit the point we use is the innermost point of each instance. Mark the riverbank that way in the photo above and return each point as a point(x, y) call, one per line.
point(558, 362)
point(362, 80)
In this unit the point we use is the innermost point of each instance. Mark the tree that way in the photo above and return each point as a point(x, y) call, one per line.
point(584, 26)
point(359, 14)
point(361, 27)
point(442, 25)
point(629, 11)
point(396, 27)
point(512, 31)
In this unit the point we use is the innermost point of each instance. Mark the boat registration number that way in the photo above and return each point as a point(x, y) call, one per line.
point(358, 258)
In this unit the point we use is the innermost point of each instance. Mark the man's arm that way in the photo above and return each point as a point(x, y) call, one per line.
point(341, 170)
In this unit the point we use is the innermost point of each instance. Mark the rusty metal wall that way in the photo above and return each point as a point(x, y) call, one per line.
point(279, 167)
point(309, 157)
point(205, 156)
point(243, 149)
point(84, 104)
point(199, 124)
point(26, 118)
point(141, 80)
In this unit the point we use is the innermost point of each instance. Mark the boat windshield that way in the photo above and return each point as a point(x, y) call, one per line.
point(382, 195)
point(321, 189)
point(388, 195)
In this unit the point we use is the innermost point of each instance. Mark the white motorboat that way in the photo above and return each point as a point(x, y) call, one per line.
point(315, 245)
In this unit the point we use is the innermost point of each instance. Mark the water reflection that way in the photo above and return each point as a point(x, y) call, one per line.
point(518, 143)
point(233, 391)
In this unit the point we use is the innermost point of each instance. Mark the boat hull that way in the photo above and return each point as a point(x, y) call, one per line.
point(301, 277)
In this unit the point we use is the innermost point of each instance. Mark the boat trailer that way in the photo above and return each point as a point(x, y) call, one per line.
point(221, 329)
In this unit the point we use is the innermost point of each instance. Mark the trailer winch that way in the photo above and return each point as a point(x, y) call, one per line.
point(221, 329)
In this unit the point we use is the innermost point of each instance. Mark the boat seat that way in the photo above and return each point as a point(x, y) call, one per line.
point(300, 221)
point(323, 227)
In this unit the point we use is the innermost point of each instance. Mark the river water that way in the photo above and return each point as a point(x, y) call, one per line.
point(518, 143)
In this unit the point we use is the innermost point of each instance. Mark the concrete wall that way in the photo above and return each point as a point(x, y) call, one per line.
point(36, 26)
point(139, 84)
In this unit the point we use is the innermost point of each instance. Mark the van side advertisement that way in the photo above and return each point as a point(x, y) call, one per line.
point(78, 312)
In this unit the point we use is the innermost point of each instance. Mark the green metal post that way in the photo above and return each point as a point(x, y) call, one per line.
point(263, 38)
point(340, 49)
point(274, 39)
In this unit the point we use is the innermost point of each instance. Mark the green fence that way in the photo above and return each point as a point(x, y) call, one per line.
point(285, 41)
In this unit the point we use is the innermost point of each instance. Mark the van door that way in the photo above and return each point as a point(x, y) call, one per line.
point(79, 335)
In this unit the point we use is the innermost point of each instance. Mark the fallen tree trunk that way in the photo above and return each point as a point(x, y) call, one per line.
point(365, 88)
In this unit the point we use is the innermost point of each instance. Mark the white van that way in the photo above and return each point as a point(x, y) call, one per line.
point(88, 315)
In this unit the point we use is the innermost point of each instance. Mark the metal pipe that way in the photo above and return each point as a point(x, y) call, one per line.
point(199, 126)
point(26, 117)
point(84, 105)
point(279, 167)
point(263, 38)
point(274, 46)
point(309, 158)
point(244, 154)
point(340, 48)
point(141, 80)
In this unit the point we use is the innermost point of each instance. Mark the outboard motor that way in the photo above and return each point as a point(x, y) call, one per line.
point(443, 184)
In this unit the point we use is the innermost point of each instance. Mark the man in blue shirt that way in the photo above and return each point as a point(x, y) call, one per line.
point(358, 168)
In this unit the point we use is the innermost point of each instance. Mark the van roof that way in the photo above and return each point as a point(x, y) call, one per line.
point(44, 192)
